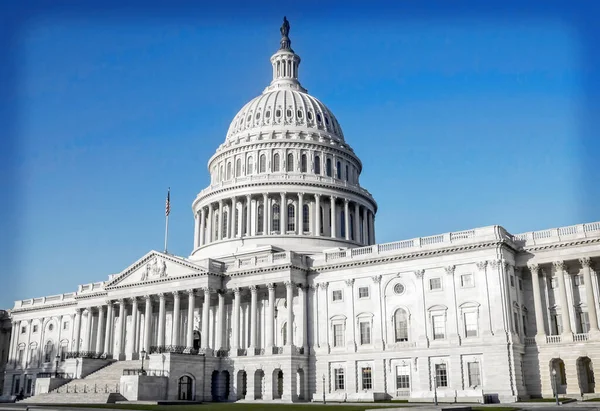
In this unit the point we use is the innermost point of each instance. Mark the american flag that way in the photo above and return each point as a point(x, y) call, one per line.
point(168, 203)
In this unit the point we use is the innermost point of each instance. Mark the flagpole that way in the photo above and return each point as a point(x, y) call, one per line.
point(168, 211)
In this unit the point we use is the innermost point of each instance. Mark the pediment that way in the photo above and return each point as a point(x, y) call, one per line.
point(154, 266)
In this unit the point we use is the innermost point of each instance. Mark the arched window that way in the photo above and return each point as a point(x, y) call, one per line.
point(284, 334)
point(221, 173)
point(303, 165)
point(401, 325)
point(275, 217)
point(225, 220)
point(321, 219)
point(260, 219)
point(228, 171)
point(343, 224)
point(262, 165)
point(338, 170)
point(351, 226)
point(48, 351)
point(276, 162)
point(328, 167)
point(238, 167)
point(290, 162)
point(305, 218)
point(291, 215)
point(317, 165)
point(249, 166)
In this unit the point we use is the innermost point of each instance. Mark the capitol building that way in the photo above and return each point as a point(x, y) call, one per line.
point(286, 294)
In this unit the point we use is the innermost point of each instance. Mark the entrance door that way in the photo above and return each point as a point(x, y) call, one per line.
point(185, 388)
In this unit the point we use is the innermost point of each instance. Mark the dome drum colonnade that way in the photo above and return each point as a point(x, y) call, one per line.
point(284, 170)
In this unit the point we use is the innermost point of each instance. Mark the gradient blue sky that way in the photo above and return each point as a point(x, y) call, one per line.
point(462, 119)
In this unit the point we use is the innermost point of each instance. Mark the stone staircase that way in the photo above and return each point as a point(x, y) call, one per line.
point(101, 386)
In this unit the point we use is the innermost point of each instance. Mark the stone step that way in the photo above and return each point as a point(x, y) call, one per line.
point(92, 398)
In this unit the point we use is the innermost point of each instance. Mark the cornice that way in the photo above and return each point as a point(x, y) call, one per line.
point(44, 307)
point(268, 269)
point(554, 246)
point(402, 257)
point(163, 280)
point(90, 295)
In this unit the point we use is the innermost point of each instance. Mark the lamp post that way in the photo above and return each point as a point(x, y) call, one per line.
point(143, 352)
point(56, 369)
point(555, 385)
point(324, 389)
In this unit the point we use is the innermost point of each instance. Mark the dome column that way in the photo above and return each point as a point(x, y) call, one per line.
point(347, 219)
point(365, 240)
point(356, 222)
point(248, 214)
point(371, 227)
point(265, 213)
point(196, 230)
point(230, 232)
point(220, 225)
point(333, 218)
point(300, 228)
point(233, 212)
point(209, 231)
point(202, 227)
point(283, 215)
point(318, 215)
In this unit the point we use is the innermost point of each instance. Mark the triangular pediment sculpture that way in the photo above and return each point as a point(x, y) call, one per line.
point(152, 267)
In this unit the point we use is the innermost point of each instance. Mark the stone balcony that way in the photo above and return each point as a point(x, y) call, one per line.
point(557, 339)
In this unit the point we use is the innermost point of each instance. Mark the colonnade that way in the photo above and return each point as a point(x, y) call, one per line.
point(304, 214)
point(566, 306)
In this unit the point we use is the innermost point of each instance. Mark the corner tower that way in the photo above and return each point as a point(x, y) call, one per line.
point(284, 177)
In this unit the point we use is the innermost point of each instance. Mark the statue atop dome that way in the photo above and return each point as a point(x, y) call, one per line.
point(285, 40)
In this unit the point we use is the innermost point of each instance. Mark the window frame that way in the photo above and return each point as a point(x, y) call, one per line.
point(463, 284)
point(339, 379)
point(441, 375)
point(366, 377)
point(470, 375)
point(441, 287)
point(364, 297)
point(341, 294)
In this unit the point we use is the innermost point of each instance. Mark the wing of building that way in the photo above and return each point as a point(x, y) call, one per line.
point(286, 294)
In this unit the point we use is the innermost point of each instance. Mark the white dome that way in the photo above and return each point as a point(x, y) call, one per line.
point(285, 107)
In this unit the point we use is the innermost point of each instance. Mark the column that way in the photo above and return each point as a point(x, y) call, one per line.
point(356, 222)
point(248, 214)
point(77, 329)
point(283, 214)
point(372, 227)
point(268, 215)
point(88, 328)
point(347, 219)
point(350, 325)
point(109, 329)
point(333, 218)
point(265, 213)
point(300, 215)
point(220, 319)
point(234, 226)
point(317, 214)
point(202, 227)
point(147, 323)
point(100, 330)
point(378, 317)
point(537, 299)
point(220, 226)
point(302, 317)
point(196, 230)
point(230, 233)
point(176, 318)
point(122, 323)
point(160, 341)
point(205, 306)
point(270, 326)
point(130, 349)
point(253, 303)
point(289, 298)
point(15, 331)
point(365, 237)
point(210, 230)
point(189, 343)
point(560, 268)
point(589, 293)
point(235, 322)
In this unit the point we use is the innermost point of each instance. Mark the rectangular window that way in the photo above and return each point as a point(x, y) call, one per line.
point(435, 283)
point(35, 328)
point(466, 280)
point(23, 330)
point(336, 295)
point(338, 378)
point(367, 382)
point(338, 335)
point(363, 292)
point(474, 375)
point(524, 325)
point(441, 375)
point(471, 324)
point(65, 326)
point(512, 280)
point(29, 385)
point(439, 327)
point(584, 322)
point(516, 323)
point(365, 332)
point(553, 282)
point(520, 285)
point(403, 380)
point(578, 280)
point(556, 324)
point(20, 356)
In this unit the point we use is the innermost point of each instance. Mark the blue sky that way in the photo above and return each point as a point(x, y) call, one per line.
point(461, 120)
